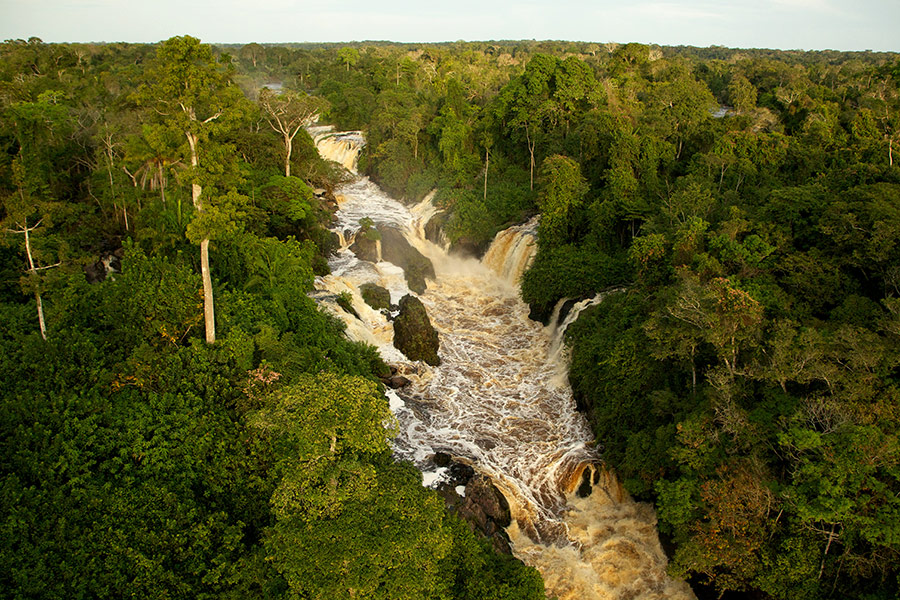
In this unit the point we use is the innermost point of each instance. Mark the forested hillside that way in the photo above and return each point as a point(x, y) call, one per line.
point(744, 204)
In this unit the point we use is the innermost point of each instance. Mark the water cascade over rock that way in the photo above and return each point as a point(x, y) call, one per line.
point(341, 147)
point(512, 251)
point(496, 404)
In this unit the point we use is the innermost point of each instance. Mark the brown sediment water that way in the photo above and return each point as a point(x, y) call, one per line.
point(500, 402)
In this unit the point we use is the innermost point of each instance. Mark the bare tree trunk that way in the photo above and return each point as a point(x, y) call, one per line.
point(487, 163)
point(209, 316)
point(531, 152)
point(162, 183)
point(693, 373)
point(40, 309)
point(33, 271)
point(208, 310)
point(109, 157)
point(288, 147)
point(831, 538)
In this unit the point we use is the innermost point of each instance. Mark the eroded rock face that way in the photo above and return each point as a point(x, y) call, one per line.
point(414, 335)
point(365, 247)
point(480, 504)
point(376, 296)
point(487, 512)
point(434, 228)
point(395, 249)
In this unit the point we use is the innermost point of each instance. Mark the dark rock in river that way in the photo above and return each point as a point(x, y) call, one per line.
point(482, 505)
point(395, 382)
point(365, 247)
point(414, 335)
point(376, 296)
point(541, 312)
point(484, 497)
point(469, 248)
point(395, 249)
point(461, 474)
point(442, 459)
point(107, 264)
point(487, 512)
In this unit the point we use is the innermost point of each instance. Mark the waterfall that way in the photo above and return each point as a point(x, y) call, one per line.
point(497, 403)
point(564, 314)
point(422, 214)
point(512, 251)
point(342, 147)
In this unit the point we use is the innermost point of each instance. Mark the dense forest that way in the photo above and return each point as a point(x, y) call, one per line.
point(193, 426)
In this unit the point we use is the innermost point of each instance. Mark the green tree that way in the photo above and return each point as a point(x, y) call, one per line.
point(741, 93)
point(562, 192)
point(29, 208)
point(524, 102)
point(348, 518)
point(25, 214)
point(195, 96)
point(349, 56)
point(287, 113)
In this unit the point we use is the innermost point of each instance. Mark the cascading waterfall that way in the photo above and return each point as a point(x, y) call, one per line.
point(498, 404)
point(342, 147)
point(512, 251)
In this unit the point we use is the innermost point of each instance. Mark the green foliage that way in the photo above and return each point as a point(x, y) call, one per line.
point(561, 194)
point(569, 272)
point(746, 382)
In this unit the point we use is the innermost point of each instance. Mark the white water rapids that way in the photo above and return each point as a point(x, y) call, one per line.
point(500, 402)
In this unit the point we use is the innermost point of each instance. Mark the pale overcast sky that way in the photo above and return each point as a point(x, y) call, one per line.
point(785, 24)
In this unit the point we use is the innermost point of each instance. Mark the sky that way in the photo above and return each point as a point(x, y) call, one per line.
point(783, 24)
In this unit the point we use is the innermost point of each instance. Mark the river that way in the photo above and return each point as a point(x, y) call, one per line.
point(499, 402)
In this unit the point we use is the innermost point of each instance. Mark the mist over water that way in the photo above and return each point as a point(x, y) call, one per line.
point(498, 403)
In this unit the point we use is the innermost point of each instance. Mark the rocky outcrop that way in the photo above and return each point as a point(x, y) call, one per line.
point(365, 246)
point(375, 296)
point(395, 249)
point(434, 228)
point(414, 335)
point(481, 505)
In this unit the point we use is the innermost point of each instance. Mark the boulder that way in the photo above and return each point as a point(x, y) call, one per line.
point(395, 249)
point(365, 246)
point(483, 497)
point(375, 296)
point(414, 335)
point(469, 248)
point(487, 512)
point(481, 505)
point(395, 382)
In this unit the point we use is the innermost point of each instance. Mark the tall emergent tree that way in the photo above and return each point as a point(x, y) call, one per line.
point(25, 214)
point(40, 130)
point(287, 113)
point(196, 96)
